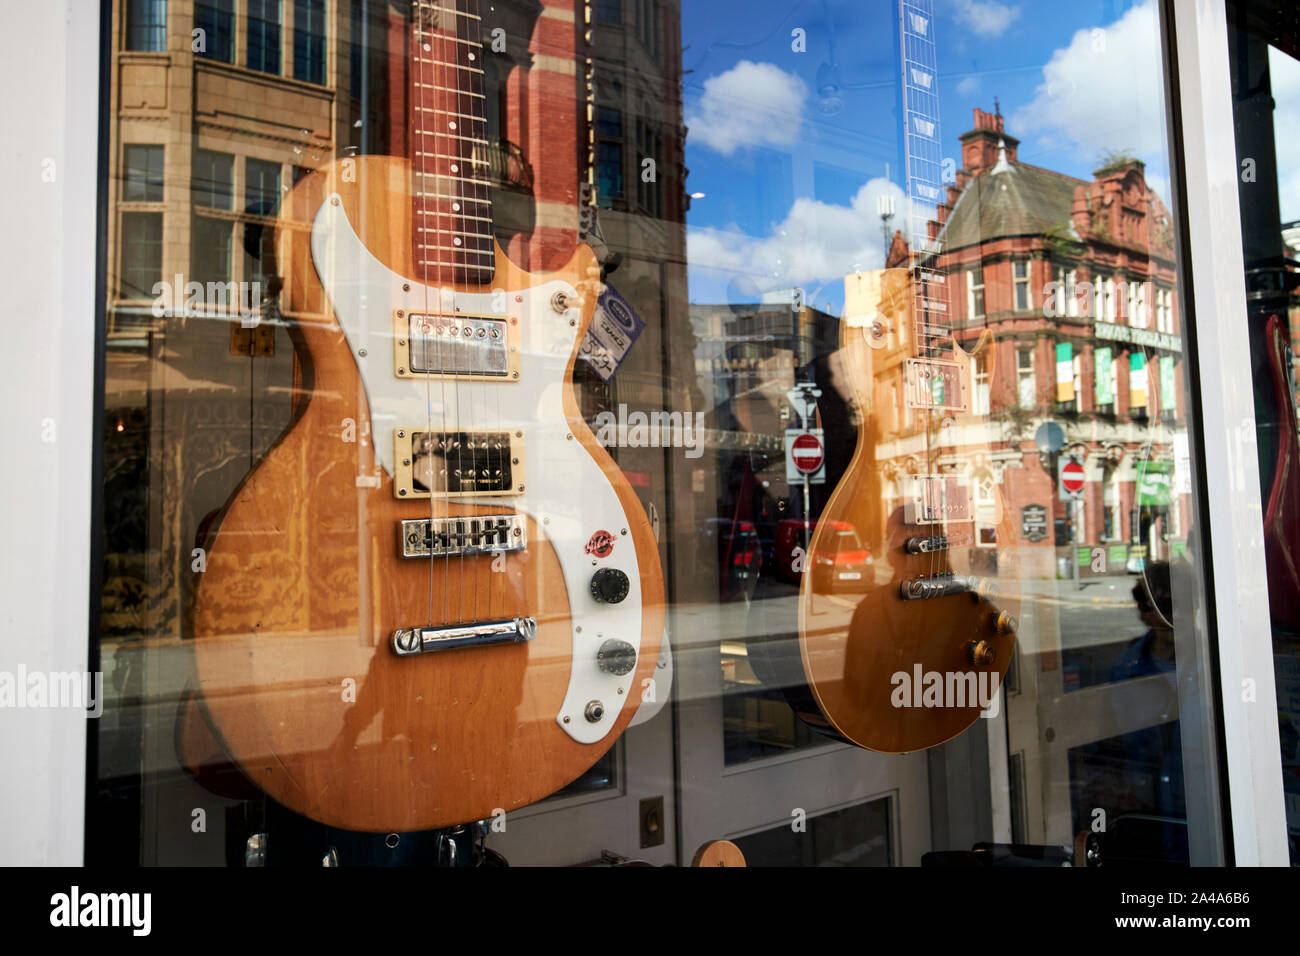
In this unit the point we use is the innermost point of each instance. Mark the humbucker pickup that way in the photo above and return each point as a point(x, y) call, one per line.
point(467, 534)
point(456, 346)
point(457, 464)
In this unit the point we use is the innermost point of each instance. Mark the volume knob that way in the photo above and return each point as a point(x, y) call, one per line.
point(616, 657)
point(609, 585)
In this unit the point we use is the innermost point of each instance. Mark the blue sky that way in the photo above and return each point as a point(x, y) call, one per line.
point(791, 184)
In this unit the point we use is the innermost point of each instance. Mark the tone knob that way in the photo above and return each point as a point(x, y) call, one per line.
point(982, 653)
point(616, 657)
point(609, 585)
point(1005, 623)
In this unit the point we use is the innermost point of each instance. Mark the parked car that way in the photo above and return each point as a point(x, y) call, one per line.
point(740, 556)
point(844, 563)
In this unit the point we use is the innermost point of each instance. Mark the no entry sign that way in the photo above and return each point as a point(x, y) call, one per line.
point(807, 453)
point(805, 456)
point(1072, 477)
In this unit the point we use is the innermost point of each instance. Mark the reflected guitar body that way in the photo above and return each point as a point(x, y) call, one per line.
point(436, 598)
point(905, 662)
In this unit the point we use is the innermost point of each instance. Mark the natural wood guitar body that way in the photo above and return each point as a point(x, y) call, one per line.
point(304, 586)
point(853, 643)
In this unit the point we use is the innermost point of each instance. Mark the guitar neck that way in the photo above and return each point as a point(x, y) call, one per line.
point(451, 211)
point(924, 168)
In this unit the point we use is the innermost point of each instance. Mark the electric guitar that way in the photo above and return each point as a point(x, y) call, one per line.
point(436, 598)
point(909, 657)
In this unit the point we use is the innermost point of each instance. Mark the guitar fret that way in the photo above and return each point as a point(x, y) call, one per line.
point(467, 139)
point(448, 89)
point(449, 38)
point(450, 215)
point(426, 195)
point(461, 249)
point(459, 179)
point(440, 64)
point(441, 9)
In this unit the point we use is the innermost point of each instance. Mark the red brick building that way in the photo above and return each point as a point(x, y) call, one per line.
point(1075, 280)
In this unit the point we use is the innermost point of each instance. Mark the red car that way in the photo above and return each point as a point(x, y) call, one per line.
point(844, 565)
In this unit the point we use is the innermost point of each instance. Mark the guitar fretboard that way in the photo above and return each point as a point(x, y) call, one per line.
point(924, 170)
point(452, 192)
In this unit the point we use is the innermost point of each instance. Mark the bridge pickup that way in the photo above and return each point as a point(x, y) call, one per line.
point(929, 545)
point(946, 585)
point(467, 534)
point(452, 345)
point(457, 464)
point(409, 641)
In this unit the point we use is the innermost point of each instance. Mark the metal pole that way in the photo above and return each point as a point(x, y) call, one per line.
point(1074, 521)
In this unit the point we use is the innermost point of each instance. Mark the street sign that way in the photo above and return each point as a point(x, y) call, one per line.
point(804, 399)
point(1049, 438)
point(807, 453)
point(1033, 522)
point(805, 456)
point(1072, 478)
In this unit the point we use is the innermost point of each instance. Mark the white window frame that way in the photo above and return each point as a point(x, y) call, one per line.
point(971, 288)
point(51, 360)
point(1027, 374)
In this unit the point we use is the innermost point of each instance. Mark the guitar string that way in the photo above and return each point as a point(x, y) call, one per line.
point(421, 207)
point(460, 273)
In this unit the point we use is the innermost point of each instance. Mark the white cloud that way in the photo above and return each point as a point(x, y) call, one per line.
point(1104, 91)
point(1285, 75)
point(968, 85)
point(985, 18)
point(748, 105)
point(816, 242)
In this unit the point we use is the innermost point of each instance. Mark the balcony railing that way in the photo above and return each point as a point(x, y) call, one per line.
point(507, 166)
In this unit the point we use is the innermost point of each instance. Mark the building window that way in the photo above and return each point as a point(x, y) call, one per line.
point(1164, 311)
point(1104, 375)
point(264, 36)
point(261, 187)
point(1027, 390)
point(210, 250)
point(648, 26)
point(609, 11)
point(214, 179)
point(146, 26)
point(1108, 305)
point(141, 265)
point(980, 375)
point(1111, 518)
point(1137, 384)
point(1020, 276)
point(1066, 300)
point(609, 155)
point(1137, 305)
point(144, 174)
point(216, 18)
point(975, 293)
point(309, 40)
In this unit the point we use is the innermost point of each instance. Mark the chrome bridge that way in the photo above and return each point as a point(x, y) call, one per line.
point(946, 585)
point(408, 641)
point(465, 534)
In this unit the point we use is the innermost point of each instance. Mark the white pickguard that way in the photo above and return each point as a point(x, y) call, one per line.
point(565, 492)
